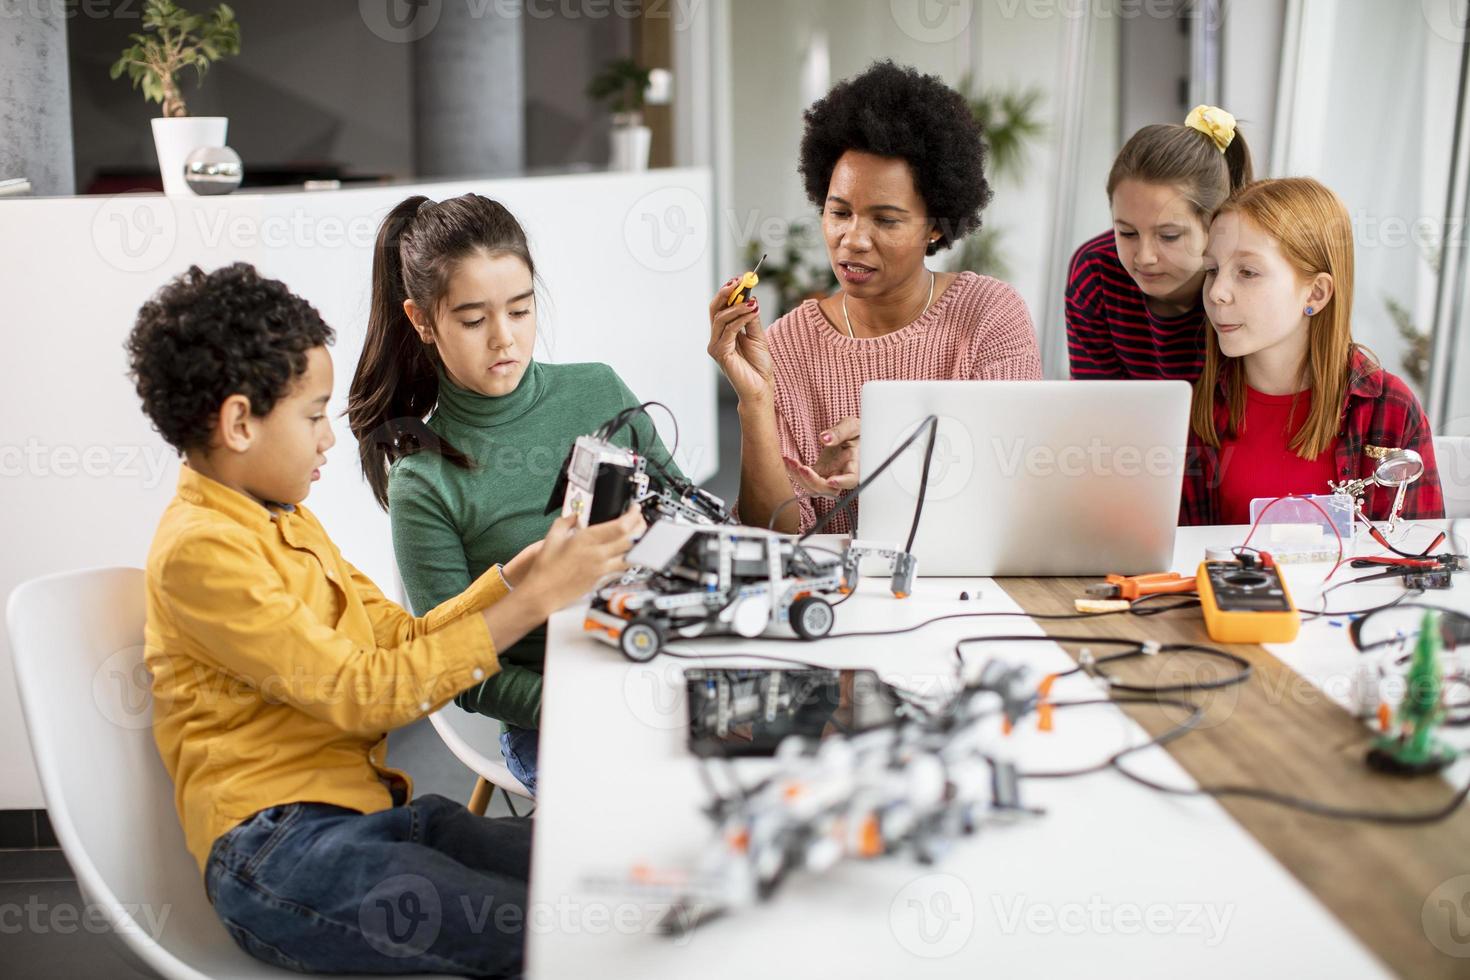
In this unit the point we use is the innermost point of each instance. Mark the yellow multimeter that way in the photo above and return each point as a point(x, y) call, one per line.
point(747, 282)
point(1246, 602)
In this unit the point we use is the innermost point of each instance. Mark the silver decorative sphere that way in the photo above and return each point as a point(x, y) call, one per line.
point(213, 170)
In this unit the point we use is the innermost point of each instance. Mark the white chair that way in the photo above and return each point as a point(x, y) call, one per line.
point(77, 643)
point(1452, 455)
point(474, 739)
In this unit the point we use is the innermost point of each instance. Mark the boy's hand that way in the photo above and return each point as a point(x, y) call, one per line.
point(572, 560)
point(519, 567)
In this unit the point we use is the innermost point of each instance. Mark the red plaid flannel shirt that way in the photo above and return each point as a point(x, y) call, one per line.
point(1380, 410)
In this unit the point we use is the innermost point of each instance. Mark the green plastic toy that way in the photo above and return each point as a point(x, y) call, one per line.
point(1413, 750)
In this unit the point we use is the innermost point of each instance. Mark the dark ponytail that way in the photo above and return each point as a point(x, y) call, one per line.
point(1186, 158)
point(396, 384)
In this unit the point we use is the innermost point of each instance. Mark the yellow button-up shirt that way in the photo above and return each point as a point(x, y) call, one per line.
point(278, 668)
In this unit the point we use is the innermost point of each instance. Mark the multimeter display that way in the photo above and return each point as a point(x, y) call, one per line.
point(1244, 602)
point(1246, 589)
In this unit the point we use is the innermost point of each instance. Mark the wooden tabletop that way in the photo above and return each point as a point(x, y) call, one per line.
point(1390, 885)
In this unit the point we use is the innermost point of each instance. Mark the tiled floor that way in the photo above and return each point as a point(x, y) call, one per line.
point(43, 935)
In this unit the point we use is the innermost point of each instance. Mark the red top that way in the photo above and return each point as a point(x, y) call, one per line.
point(1379, 410)
point(1258, 462)
point(1111, 332)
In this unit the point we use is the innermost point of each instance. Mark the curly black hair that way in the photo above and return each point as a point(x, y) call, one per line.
point(897, 112)
point(206, 336)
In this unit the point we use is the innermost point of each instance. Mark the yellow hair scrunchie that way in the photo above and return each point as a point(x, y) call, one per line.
point(1215, 123)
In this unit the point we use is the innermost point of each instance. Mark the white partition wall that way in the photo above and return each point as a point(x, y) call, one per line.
point(626, 267)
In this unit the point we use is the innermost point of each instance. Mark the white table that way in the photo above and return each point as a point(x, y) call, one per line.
point(1113, 877)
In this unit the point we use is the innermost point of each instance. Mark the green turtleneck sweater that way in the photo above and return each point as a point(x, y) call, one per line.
point(450, 524)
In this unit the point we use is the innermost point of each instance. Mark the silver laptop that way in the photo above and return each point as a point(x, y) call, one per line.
point(1028, 477)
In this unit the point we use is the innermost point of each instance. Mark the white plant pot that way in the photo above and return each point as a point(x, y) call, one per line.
point(630, 146)
point(176, 138)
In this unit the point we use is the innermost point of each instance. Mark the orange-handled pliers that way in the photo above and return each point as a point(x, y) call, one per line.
point(1133, 586)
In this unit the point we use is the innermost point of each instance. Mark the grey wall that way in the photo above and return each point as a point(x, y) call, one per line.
point(1153, 59)
point(562, 55)
point(35, 118)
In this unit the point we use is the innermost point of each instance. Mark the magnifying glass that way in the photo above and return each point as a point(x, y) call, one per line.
point(1396, 469)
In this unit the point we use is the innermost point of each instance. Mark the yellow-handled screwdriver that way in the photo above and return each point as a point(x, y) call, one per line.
point(747, 283)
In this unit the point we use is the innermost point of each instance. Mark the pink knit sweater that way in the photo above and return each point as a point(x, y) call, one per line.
point(977, 329)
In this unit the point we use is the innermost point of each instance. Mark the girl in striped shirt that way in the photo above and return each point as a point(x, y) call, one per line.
point(1133, 293)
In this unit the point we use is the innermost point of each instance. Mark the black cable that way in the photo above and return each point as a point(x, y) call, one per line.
point(1038, 616)
point(1196, 712)
point(930, 424)
point(1319, 613)
point(1402, 819)
point(1138, 649)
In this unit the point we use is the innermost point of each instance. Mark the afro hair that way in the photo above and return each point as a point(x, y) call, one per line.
point(896, 112)
point(206, 336)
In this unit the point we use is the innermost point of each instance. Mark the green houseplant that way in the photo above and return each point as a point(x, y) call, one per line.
point(621, 88)
point(1010, 120)
point(172, 41)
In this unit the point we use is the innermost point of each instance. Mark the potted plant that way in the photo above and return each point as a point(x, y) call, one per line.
point(1009, 121)
point(621, 86)
point(173, 39)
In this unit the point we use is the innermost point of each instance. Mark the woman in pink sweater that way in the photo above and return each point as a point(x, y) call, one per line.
point(896, 164)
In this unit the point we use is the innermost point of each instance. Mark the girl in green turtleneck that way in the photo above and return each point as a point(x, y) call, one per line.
point(451, 329)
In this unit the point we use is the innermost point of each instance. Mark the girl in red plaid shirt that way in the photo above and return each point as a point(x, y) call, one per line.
point(1286, 401)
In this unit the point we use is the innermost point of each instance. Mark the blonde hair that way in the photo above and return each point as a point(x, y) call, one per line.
point(1315, 233)
point(1181, 156)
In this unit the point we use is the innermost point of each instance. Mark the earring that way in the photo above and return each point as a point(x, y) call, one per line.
point(1309, 311)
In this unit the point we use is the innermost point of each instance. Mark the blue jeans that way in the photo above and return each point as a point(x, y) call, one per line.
point(424, 888)
point(519, 745)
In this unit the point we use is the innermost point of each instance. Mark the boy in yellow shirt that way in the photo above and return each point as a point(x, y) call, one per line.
point(279, 669)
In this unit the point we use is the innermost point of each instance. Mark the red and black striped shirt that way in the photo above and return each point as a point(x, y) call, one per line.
point(1112, 334)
